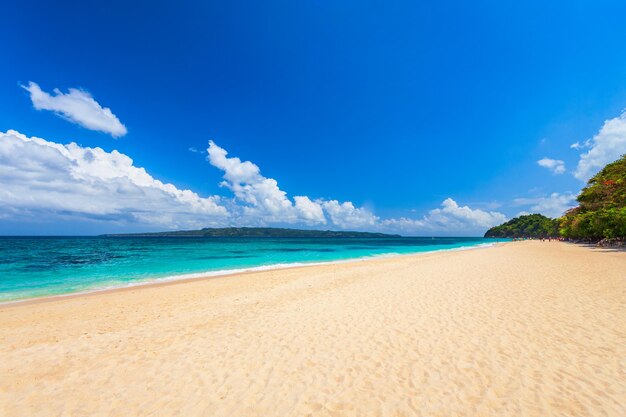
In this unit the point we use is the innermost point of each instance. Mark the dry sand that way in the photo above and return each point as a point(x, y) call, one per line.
point(522, 329)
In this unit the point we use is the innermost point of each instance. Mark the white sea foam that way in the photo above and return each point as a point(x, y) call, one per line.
point(226, 272)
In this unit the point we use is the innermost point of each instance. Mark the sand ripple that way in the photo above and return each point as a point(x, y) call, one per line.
point(524, 329)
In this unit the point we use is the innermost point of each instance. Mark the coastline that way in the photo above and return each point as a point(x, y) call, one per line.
point(522, 328)
point(189, 277)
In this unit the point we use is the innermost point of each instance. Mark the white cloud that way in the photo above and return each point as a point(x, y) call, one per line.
point(578, 145)
point(266, 202)
point(310, 211)
point(553, 205)
point(263, 199)
point(451, 213)
point(606, 146)
point(449, 218)
point(77, 106)
point(193, 149)
point(43, 178)
point(555, 165)
point(346, 215)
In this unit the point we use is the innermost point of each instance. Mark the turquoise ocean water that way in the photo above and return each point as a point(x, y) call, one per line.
point(44, 266)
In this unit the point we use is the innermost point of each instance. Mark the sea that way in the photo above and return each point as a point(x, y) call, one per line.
point(32, 267)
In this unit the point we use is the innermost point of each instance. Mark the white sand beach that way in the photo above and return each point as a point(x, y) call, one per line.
point(521, 329)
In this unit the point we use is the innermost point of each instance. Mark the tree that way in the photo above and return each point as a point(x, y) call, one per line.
point(602, 206)
point(531, 225)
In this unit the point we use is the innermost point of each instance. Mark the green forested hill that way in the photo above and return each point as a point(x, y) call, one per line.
point(602, 206)
point(531, 225)
point(255, 232)
point(601, 213)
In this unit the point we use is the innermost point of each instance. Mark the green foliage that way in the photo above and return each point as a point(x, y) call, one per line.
point(602, 210)
point(531, 225)
point(601, 213)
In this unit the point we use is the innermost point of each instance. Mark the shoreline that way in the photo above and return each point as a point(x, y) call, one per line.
point(206, 275)
point(526, 328)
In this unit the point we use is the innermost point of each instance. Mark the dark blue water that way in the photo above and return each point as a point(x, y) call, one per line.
point(44, 266)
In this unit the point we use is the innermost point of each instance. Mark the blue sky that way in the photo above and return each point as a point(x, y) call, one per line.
point(390, 109)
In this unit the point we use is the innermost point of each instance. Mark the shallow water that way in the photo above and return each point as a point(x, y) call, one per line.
point(44, 266)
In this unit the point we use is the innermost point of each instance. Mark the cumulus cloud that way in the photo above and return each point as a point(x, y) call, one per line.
point(553, 205)
point(77, 106)
point(346, 215)
point(265, 201)
point(310, 211)
point(450, 217)
point(555, 165)
point(262, 197)
point(43, 178)
point(453, 216)
point(606, 146)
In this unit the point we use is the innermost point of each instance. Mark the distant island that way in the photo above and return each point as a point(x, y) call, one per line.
point(258, 232)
